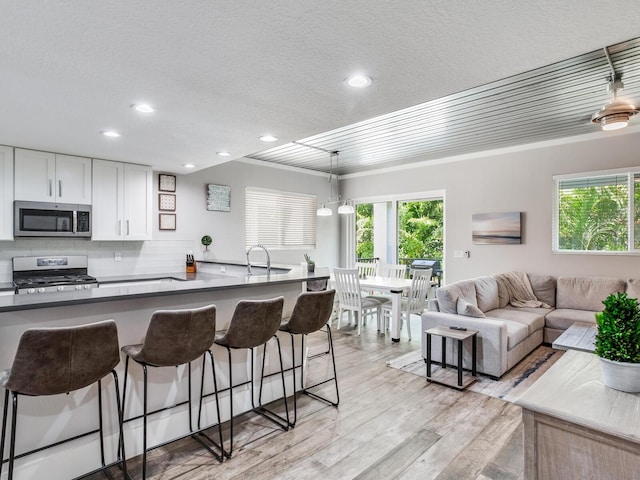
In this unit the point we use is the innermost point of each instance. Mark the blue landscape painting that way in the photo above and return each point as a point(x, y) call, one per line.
point(496, 228)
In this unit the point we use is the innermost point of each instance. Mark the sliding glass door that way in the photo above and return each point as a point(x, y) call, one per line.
point(399, 231)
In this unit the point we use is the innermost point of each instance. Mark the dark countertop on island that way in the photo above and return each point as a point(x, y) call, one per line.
point(182, 283)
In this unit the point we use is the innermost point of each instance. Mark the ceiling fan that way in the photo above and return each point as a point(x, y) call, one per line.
point(617, 113)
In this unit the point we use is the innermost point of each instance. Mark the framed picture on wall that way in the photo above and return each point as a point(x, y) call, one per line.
point(166, 183)
point(496, 228)
point(218, 198)
point(167, 201)
point(167, 221)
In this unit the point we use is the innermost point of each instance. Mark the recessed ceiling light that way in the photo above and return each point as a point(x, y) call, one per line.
point(268, 138)
point(110, 133)
point(358, 81)
point(188, 165)
point(143, 108)
point(223, 154)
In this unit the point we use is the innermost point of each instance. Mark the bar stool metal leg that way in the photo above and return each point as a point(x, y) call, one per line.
point(200, 431)
point(306, 390)
point(311, 313)
point(274, 417)
point(12, 446)
point(4, 427)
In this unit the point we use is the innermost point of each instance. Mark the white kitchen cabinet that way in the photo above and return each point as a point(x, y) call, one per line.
point(6, 193)
point(49, 177)
point(122, 201)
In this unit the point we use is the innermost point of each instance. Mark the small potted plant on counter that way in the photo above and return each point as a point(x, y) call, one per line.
point(311, 265)
point(618, 342)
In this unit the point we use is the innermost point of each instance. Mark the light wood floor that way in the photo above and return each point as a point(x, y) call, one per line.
point(389, 425)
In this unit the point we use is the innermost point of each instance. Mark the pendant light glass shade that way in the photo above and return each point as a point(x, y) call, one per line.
point(324, 211)
point(346, 209)
point(614, 122)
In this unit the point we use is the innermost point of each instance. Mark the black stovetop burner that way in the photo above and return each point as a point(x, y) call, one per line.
point(53, 280)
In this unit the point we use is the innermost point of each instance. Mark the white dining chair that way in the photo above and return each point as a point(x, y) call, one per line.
point(414, 302)
point(392, 270)
point(347, 284)
point(367, 269)
point(370, 269)
point(387, 270)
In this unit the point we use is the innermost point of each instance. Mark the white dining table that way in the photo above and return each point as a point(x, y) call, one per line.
point(396, 287)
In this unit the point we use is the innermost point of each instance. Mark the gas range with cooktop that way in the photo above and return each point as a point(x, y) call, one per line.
point(51, 274)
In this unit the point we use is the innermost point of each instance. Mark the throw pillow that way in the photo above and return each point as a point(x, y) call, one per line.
point(468, 310)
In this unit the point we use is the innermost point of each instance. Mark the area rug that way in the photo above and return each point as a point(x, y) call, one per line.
point(509, 387)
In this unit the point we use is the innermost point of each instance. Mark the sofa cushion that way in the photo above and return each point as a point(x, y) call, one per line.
point(633, 288)
point(468, 310)
point(449, 294)
point(516, 333)
point(533, 320)
point(486, 293)
point(544, 288)
point(538, 310)
point(586, 293)
point(503, 294)
point(563, 318)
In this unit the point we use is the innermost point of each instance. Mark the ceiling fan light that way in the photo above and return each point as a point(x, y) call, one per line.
point(614, 122)
point(346, 209)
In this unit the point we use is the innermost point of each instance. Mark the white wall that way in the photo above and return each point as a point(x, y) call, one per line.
point(511, 181)
point(166, 252)
point(227, 228)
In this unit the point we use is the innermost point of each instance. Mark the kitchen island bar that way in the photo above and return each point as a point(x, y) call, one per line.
point(40, 420)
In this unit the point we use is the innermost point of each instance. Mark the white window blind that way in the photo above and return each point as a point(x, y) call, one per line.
point(279, 220)
point(595, 213)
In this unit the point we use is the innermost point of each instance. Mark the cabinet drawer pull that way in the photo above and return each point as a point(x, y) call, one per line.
point(50, 187)
point(60, 188)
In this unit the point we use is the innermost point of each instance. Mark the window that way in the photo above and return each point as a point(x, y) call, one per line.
point(598, 212)
point(280, 220)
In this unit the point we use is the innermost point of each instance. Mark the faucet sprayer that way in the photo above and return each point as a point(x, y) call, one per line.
point(268, 258)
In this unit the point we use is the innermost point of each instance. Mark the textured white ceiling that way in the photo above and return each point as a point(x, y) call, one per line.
point(222, 73)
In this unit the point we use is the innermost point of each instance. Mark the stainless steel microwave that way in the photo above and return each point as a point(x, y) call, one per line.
point(41, 219)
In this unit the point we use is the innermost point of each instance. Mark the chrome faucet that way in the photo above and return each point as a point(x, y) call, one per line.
point(268, 258)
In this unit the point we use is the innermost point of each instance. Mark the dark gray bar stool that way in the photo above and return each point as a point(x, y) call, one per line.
point(173, 338)
point(52, 361)
point(253, 324)
point(311, 312)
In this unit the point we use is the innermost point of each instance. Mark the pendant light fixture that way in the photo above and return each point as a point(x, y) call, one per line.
point(325, 211)
point(346, 207)
point(616, 114)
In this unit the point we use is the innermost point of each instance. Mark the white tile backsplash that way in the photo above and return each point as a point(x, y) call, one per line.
point(151, 256)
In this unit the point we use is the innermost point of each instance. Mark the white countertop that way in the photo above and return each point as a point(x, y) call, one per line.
point(572, 390)
point(187, 283)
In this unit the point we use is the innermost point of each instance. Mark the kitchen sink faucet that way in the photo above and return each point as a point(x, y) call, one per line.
point(268, 258)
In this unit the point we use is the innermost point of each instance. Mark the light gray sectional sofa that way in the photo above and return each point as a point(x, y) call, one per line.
point(507, 333)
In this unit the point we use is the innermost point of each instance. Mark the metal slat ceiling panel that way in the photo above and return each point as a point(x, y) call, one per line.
point(547, 103)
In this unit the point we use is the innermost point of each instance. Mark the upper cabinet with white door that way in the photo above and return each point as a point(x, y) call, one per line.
point(122, 201)
point(6, 193)
point(49, 177)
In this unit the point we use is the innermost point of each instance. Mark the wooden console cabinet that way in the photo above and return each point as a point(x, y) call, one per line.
point(576, 428)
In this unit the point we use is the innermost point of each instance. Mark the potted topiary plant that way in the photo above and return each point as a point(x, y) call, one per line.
point(206, 241)
point(311, 265)
point(618, 342)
